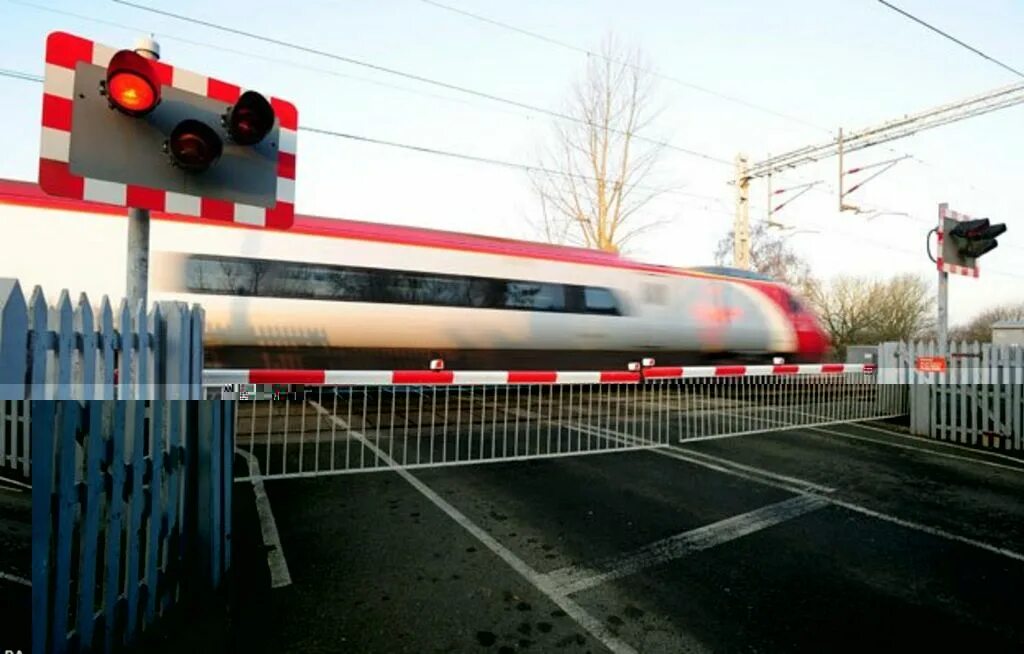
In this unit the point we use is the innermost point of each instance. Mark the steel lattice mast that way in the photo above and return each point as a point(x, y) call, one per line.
point(845, 143)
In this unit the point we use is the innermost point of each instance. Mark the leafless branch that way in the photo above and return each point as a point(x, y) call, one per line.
point(596, 198)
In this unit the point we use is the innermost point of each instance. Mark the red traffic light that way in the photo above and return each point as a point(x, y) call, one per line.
point(250, 119)
point(133, 86)
point(194, 146)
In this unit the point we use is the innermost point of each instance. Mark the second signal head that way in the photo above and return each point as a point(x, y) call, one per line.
point(250, 119)
point(194, 146)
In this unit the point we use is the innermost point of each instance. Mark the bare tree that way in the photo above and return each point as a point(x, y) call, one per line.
point(857, 310)
point(980, 327)
point(770, 255)
point(592, 187)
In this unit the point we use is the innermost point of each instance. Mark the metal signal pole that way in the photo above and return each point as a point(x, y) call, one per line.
point(943, 326)
point(137, 268)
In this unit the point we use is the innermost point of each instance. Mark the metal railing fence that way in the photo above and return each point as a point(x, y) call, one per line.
point(379, 420)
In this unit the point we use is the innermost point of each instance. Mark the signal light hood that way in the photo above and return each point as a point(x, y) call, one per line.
point(250, 119)
point(132, 85)
point(194, 146)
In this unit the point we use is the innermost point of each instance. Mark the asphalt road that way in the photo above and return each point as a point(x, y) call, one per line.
point(15, 568)
point(809, 540)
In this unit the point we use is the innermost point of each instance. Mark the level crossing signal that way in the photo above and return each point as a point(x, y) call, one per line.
point(973, 238)
point(963, 240)
point(125, 129)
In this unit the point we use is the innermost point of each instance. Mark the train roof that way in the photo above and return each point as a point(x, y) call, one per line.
point(29, 194)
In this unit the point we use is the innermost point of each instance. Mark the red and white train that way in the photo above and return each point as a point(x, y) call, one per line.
point(343, 294)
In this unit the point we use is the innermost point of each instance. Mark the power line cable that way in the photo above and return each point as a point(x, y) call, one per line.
point(951, 38)
point(651, 71)
point(489, 160)
point(262, 57)
point(417, 78)
point(434, 151)
point(19, 75)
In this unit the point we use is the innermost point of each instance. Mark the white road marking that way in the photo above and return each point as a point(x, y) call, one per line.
point(764, 430)
point(792, 484)
point(857, 423)
point(944, 455)
point(676, 454)
point(934, 441)
point(539, 581)
point(16, 579)
point(573, 579)
point(279, 575)
point(18, 485)
point(934, 531)
point(797, 481)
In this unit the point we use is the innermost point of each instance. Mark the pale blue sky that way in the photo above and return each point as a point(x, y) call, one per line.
point(848, 63)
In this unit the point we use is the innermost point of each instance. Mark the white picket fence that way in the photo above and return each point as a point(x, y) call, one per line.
point(978, 401)
point(78, 351)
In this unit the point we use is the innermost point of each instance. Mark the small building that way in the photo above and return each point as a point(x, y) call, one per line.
point(862, 354)
point(1008, 332)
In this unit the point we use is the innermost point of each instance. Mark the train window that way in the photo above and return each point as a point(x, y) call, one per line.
point(599, 300)
point(537, 296)
point(794, 304)
point(285, 279)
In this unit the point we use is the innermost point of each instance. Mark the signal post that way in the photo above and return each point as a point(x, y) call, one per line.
point(137, 268)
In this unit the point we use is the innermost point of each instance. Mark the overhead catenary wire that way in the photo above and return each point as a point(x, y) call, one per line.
point(405, 89)
point(491, 161)
point(581, 50)
point(19, 75)
point(590, 53)
point(419, 78)
point(951, 38)
point(263, 57)
point(23, 76)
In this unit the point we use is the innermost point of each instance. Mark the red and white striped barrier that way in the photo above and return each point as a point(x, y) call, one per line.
point(221, 377)
point(687, 372)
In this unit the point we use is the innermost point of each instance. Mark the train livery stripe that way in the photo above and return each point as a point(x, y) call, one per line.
point(220, 377)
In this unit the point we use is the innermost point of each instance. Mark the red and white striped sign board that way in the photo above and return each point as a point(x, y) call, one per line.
point(220, 377)
point(63, 53)
point(944, 213)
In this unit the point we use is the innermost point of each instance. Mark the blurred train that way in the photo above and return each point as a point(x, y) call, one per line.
point(343, 294)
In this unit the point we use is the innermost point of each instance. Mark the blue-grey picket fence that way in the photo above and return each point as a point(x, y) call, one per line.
point(130, 516)
point(83, 352)
point(15, 444)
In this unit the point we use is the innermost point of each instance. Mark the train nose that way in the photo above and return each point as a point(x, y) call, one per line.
point(812, 340)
